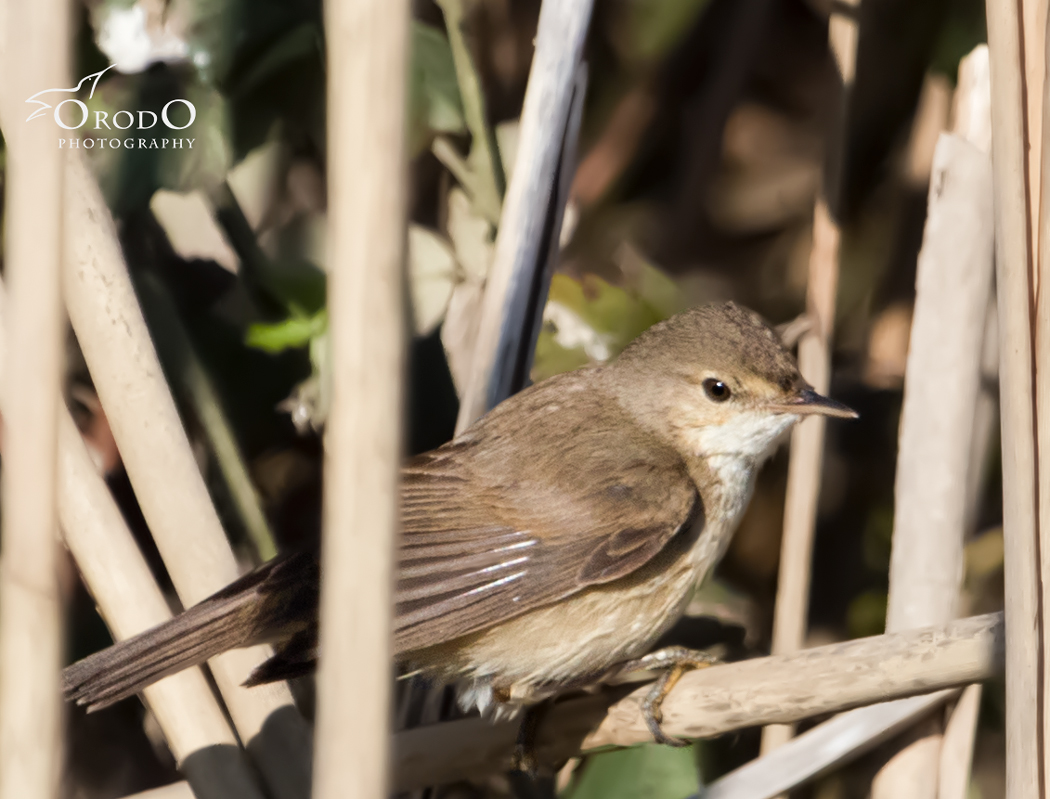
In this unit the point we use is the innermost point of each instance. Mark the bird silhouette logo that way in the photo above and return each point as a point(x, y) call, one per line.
point(44, 106)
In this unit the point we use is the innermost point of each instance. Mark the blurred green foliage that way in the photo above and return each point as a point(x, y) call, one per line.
point(434, 101)
point(653, 28)
point(651, 771)
point(866, 614)
point(591, 319)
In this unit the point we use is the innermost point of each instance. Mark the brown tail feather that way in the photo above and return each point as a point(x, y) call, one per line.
point(275, 601)
point(189, 639)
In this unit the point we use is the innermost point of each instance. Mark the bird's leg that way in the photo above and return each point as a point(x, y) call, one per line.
point(673, 662)
point(525, 781)
point(524, 757)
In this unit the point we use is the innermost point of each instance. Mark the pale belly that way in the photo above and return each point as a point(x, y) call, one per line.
point(578, 640)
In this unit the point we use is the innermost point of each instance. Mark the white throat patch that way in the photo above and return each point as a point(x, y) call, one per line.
point(749, 435)
point(735, 450)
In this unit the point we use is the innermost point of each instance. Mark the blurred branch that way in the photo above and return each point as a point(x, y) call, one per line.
point(254, 262)
point(160, 463)
point(520, 242)
point(367, 56)
point(35, 54)
point(485, 180)
point(956, 755)
point(448, 155)
point(806, 458)
point(207, 406)
point(1013, 260)
point(713, 701)
point(971, 119)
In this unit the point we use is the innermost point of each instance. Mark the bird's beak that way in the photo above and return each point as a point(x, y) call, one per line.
point(808, 402)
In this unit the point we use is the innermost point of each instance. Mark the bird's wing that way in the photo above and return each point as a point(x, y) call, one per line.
point(478, 550)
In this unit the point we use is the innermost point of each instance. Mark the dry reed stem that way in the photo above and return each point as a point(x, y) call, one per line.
point(35, 57)
point(559, 43)
point(128, 598)
point(941, 388)
point(160, 464)
point(807, 453)
point(130, 601)
point(791, 610)
point(956, 753)
point(823, 748)
point(1013, 258)
point(940, 391)
point(1041, 205)
point(126, 369)
point(972, 120)
point(1033, 21)
point(367, 46)
point(777, 689)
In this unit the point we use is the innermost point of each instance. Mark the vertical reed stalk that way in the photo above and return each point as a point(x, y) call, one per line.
point(1040, 205)
point(1015, 295)
point(35, 57)
point(367, 52)
point(559, 44)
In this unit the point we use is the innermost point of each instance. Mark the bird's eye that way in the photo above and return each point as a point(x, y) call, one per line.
point(716, 390)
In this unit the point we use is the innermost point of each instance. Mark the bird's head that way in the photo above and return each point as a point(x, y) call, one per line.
point(716, 380)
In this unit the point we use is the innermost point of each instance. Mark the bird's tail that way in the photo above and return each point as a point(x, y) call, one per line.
point(251, 610)
point(187, 640)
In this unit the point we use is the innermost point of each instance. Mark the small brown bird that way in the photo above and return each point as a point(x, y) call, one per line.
point(550, 543)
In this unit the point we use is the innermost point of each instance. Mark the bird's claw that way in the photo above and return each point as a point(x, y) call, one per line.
point(673, 662)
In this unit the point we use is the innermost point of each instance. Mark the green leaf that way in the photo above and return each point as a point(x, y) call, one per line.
point(592, 320)
point(607, 309)
point(435, 104)
point(658, 291)
point(296, 331)
point(653, 771)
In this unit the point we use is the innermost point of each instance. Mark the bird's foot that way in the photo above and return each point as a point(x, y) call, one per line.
point(673, 662)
